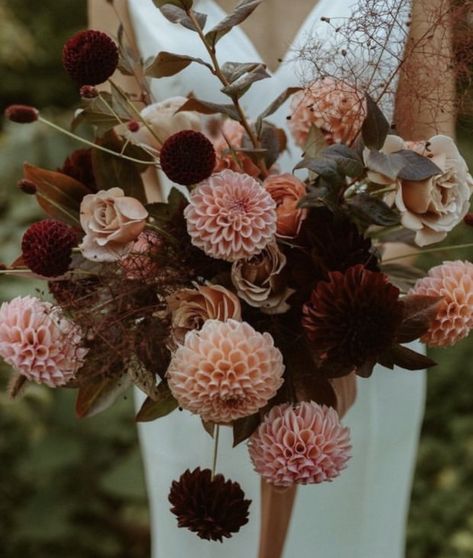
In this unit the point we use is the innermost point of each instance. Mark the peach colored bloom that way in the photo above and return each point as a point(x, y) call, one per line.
point(230, 216)
point(259, 282)
point(431, 207)
point(190, 308)
point(286, 190)
point(301, 444)
point(39, 342)
point(335, 107)
point(454, 282)
point(225, 371)
point(141, 261)
point(111, 222)
point(229, 139)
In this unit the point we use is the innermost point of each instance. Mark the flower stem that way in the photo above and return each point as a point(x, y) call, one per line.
point(214, 461)
point(432, 251)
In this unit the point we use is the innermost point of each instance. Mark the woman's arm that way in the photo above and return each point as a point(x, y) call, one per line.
point(425, 100)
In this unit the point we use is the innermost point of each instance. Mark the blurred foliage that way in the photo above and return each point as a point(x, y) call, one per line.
point(76, 488)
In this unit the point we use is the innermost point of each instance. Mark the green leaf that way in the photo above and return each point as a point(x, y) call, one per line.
point(406, 358)
point(113, 172)
point(96, 112)
point(387, 165)
point(419, 313)
point(58, 195)
point(233, 70)
point(177, 14)
point(99, 394)
point(375, 127)
point(168, 64)
point(402, 276)
point(372, 210)
point(243, 9)
point(348, 161)
point(243, 428)
point(161, 406)
point(205, 107)
point(183, 4)
point(416, 167)
point(327, 168)
point(276, 104)
point(241, 85)
point(165, 212)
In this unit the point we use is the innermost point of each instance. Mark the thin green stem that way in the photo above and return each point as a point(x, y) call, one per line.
point(214, 461)
point(431, 251)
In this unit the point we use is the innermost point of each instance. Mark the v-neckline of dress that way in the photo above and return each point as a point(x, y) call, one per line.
point(309, 19)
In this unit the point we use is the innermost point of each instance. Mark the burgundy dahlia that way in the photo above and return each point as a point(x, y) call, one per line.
point(352, 319)
point(47, 247)
point(211, 507)
point(21, 114)
point(90, 57)
point(187, 157)
point(79, 166)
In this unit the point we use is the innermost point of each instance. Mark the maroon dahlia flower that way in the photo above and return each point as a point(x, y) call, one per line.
point(211, 507)
point(90, 57)
point(187, 157)
point(352, 319)
point(79, 166)
point(47, 247)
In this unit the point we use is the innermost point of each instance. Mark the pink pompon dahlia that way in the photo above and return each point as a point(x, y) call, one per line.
point(333, 106)
point(454, 282)
point(39, 342)
point(231, 216)
point(225, 371)
point(301, 444)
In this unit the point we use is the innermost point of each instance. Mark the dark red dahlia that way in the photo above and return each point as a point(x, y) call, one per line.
point(187, 157)
point(90, 57)
point(79, 166)
point(47, 247)
point(21, 114)
point(212, 508)
point(352, 319)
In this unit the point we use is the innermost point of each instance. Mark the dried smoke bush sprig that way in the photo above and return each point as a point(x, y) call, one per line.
point(211, 507)
point(141, 263)
point(352, 319)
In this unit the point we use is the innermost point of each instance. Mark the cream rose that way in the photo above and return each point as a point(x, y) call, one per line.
point(434, 206)
point(190, 308)
point(286, 190)
point(163, 119)
point(111, 222)
point(259, 282)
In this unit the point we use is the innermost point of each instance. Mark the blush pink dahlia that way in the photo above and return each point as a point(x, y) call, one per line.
point(231, 216)
point(225, 371)
point(333, 106)
point(301, 444)
point(39, 342)
point(454, 282)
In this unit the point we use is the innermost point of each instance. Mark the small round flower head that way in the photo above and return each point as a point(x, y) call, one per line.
point(39, 342)
point(301, 444)
point(90, 57)
point(27, 186)
point(47, 247)
point(454, 282)
point(21, 114)
point(225, 371)
point(187, 157)
point(333, 106)
point(231, 216)
point(211, 507)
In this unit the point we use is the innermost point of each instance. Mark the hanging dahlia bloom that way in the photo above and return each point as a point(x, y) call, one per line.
point(301, 444)
point(90, 57)
point(352, 319)
point(454, 282)
point(187, 157)
point(225, 371)
point(39, 342)
point(47, 247)
point(141, 262)
point(231, 216)
point(211, 507)
point(333, 106)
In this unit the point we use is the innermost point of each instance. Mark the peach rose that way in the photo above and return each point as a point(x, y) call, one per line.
point(190, 308)
point(163, 119)
point(434, 206)
point(286, 190)
point(259, 282)
point(111, 222)
point(230, 138)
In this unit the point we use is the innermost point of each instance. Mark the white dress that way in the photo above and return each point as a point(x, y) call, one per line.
point(362, 514)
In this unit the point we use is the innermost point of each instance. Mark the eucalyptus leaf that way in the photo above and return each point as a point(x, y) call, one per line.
point(348, 161)
point(243, 428)
point(315, 142)
point(183, 4)
point(375, 127)
point(243, 9)
point(416, 167)
point(205, 107)
point(419, 313)
point(406, 358)
point(176, 14)
point(276, 104)
point(160, 406)
point(167, 64)
point(386, 164)
point(233, 70)
point(241, 85)
point(99, 394)
point(372, 210)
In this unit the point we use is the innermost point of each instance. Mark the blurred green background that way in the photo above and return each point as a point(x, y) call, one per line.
point(75, 488)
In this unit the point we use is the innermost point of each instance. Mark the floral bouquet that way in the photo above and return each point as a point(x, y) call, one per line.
point(253, 295)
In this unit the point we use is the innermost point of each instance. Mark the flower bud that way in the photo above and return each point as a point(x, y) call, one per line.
point(27, 186)
point(22, 114)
